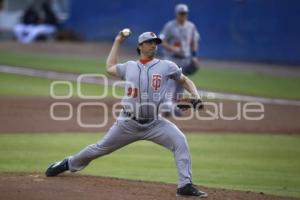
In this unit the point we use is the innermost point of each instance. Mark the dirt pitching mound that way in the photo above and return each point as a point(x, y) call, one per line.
point(32, 186)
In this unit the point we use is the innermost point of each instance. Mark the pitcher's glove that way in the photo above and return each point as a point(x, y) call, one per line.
point(187, 103)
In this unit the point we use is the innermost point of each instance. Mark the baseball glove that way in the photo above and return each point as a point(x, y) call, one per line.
point(187, 103)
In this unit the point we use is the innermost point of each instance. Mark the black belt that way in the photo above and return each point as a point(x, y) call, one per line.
point(140, 121)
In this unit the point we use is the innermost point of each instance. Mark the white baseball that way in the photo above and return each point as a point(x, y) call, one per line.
point(126, 32)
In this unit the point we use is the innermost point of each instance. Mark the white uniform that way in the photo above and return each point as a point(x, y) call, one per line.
point(28, 33)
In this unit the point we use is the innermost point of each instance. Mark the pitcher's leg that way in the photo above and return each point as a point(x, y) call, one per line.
point(169, 136)
point(113, 140)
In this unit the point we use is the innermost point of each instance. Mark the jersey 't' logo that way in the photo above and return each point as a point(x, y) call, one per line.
point(156, 82)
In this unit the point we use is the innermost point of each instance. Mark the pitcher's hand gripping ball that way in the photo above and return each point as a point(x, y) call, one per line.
point(188, 103)
point(126, 32)
point(123, 35)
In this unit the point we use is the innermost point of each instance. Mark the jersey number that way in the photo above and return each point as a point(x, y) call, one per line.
point(132, 92)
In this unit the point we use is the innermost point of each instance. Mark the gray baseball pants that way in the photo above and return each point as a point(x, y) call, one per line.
point(124, 132)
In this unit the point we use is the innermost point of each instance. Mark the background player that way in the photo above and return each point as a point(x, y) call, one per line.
point(139, 119)
point(180, 41)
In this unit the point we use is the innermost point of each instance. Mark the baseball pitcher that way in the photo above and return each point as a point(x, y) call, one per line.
point(140, 119)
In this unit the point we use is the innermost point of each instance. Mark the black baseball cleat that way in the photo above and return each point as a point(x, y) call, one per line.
point(57, 168)
point(190, 191)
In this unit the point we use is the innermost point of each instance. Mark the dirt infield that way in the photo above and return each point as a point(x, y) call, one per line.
point(33, 186)
point(32, 115)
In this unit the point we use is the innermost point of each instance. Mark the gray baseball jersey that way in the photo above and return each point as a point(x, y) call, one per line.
point(181, 36)
point(184, 37)
point(147, 85)
point(149, 80)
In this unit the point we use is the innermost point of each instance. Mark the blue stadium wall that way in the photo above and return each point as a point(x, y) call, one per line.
point(253, 30)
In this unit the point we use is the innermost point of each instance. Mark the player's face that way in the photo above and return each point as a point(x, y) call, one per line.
point(148, 48)
point(182, 17)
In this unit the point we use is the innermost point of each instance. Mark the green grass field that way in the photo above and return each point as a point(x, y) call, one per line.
point(261, 163)
point(267, 163)
point(17, 85)
point(225, 80)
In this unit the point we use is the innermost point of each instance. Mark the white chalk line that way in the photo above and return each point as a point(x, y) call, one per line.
point(73, 77)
